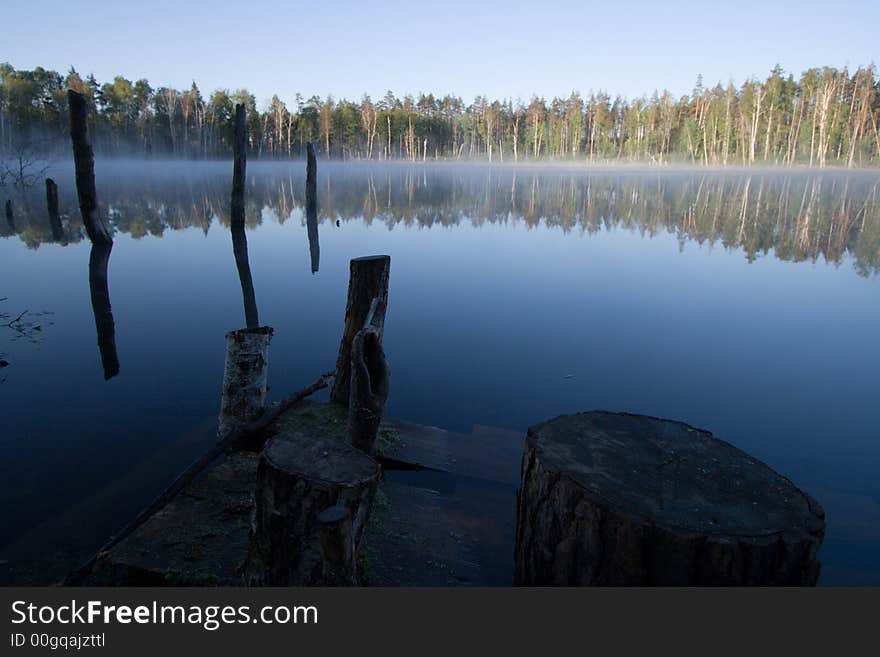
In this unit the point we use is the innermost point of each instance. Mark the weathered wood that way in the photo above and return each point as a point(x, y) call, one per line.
point(52, 208)
point(299, 478)
point(239, 166)
point(369, 384)
point(84, 161)
point(368, 279)
point(244, 377)
point(240, 435)
point(619, 499)
point(243, 265)
point(312, 207)
point(99, 289)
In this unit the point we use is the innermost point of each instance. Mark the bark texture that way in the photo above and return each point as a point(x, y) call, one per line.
point(239, 165)
point(368, 279)
point(612, 499)
point(84, 161)
point(244, 377)
point(99, 289)
point(312, 208)
point(313, 500)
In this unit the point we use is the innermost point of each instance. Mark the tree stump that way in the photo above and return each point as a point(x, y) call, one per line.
point(244, 377)
point(368, 279)
point(313, 500)
point(613, 499)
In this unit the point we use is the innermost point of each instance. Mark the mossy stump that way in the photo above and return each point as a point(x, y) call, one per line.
point(612, 499)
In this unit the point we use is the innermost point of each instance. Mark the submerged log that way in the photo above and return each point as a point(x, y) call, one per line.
point(99, 289)
point(369, 385)
point(368, 279)
point(244, 377)
point(52, 208)
point(313, 500)
point(617, 499)
point(84, 161)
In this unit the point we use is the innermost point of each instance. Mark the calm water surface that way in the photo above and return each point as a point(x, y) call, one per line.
point(746, 304)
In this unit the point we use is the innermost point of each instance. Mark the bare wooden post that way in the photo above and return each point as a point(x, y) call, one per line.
point(242, 263)
point(369, 385)
point(99, 259)
point(245, 375)
point(10, 219)
point(312, 207)
point(84, 160)
point(313, 500)
point(239, 166)
point(368, 279)
point(52, 207)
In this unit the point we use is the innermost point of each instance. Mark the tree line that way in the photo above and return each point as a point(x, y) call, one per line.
point(824, 117)
point(797, 217)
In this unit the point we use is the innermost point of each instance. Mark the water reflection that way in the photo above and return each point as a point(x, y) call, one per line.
point(99, 259)
point(797, 216)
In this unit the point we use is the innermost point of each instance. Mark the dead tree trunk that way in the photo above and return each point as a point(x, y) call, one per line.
point(369, 385)
point(52, 207)
point(99, 259)
point(313, 500)
point(244, 377)
point(84, 160)
point(368, 279)
point(312, 207)
point(614, 499)
point(239, 165)
point(242, 263)
point(10, 218)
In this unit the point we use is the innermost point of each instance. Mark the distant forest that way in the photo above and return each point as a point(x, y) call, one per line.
point(825, 117)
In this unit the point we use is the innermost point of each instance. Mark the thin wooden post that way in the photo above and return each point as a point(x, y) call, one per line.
point(84, 160)
point(370, 378)
point(368, 279)
point(52, 207)
point(312, 207)
point(99, 258)
point(239, 167)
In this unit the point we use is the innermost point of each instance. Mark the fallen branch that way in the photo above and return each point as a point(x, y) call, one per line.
point(230, 439)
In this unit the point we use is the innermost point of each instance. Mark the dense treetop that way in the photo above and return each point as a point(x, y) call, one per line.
point(825, 117)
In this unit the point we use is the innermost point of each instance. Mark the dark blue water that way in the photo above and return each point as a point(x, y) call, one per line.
point(746, 304)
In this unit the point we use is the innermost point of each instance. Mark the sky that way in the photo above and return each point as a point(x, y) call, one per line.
point(483, 47)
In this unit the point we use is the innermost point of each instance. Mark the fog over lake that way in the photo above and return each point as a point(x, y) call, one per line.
point(743, 302)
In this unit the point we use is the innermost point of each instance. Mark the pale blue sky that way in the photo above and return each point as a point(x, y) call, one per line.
point(499, 49)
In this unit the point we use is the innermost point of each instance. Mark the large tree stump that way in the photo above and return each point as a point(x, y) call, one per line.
point(84, 162)
point(245, 376)
point(312, 502)
point(619, 499)
point(368, 279)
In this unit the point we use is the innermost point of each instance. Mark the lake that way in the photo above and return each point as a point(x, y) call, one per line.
point(745, 303)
